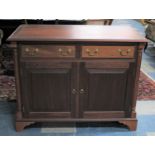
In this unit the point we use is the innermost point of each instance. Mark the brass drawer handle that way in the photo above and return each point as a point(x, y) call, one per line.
point(92, 53)
point(67, 52)
point(124, 52)
point(31, 52)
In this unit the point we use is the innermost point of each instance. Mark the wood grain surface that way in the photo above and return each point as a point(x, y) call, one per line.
point(76, 33)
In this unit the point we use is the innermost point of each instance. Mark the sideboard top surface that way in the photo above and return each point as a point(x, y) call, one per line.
point(88, 33)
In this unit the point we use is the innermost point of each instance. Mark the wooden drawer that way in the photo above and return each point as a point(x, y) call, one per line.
point(108, 51)
point(48, 51)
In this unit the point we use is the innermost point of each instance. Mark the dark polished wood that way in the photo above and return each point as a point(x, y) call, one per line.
point(99, 21)
point(108, 51)
point(77, 73)
point(131, 124)
point(47, 89)
point(48, 51)
point(21, 125)
point(76, 33)
point(104, 87)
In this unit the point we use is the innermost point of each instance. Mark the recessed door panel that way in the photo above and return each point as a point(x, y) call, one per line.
point(47, 90)
point(105, 89)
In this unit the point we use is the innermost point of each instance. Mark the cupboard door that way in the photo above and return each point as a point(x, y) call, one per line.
point(105, 89)
point(46, 89)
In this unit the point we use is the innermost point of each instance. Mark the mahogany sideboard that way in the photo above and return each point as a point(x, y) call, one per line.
point(74, 73)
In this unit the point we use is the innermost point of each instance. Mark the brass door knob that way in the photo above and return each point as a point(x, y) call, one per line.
point(74, 91)
point(82, 91)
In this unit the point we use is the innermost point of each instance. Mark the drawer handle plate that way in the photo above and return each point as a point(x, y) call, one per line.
point(31, 52)
point(124, 52)
point(67, 52)
point(92, 53)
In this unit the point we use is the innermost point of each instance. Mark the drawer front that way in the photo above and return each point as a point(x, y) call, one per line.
point(108, 51)
point(48, 51)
